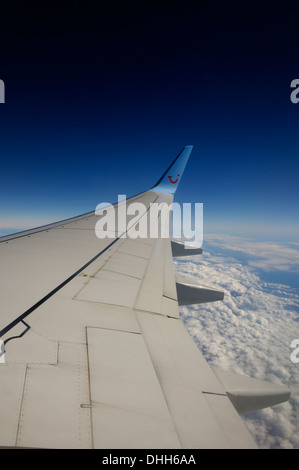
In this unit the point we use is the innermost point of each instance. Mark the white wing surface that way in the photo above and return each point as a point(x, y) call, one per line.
point(96, 355)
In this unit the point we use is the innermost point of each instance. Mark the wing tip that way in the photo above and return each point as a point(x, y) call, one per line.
point(169, 181)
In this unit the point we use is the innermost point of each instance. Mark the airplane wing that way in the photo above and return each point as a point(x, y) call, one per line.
point(94, 354)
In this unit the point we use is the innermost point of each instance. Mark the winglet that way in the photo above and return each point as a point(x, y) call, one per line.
point(169, 181)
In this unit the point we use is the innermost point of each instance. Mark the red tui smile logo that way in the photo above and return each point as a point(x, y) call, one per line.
point(170, 179)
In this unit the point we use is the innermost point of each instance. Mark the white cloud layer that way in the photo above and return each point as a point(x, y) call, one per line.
point(251, 330)
point(261, 254)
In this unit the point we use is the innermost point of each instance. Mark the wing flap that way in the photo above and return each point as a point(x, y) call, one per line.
point(201, 411)
point(128, 405)
point(12, 380)
point(57, 398)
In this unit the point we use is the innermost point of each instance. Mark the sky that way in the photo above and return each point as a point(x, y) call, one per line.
point(99, 99)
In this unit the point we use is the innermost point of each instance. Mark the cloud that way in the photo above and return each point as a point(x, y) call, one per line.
point(250, 331)
point(261, 254)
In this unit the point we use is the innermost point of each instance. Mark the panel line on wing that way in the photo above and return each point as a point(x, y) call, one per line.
point(27, 327)
point(66, 281)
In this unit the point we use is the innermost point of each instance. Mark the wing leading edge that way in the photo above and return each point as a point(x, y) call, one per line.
point(95, 352)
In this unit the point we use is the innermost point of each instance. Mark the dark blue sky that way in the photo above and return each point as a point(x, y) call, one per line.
point(100, 100)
